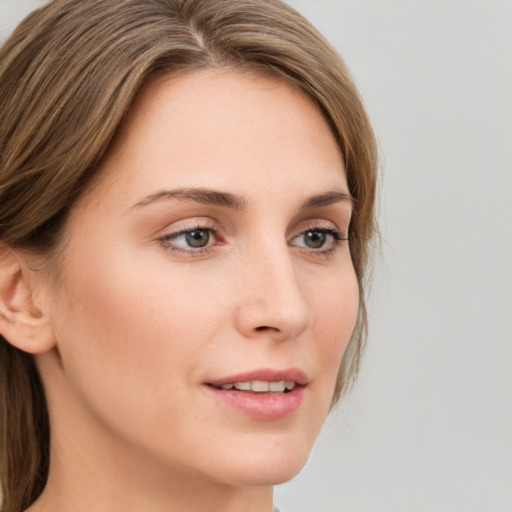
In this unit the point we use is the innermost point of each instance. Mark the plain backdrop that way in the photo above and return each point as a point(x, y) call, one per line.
point(428, 426)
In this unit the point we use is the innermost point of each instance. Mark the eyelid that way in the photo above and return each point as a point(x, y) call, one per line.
point(316, 224)
point(187, 226)
point(335, 236)
point(338, 237)
point(334, 233)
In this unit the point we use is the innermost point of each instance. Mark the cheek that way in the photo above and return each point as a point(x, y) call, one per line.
point(336, 309)
point(335, 312)
point(133, 317)
point(123, 311)
point(131, 343)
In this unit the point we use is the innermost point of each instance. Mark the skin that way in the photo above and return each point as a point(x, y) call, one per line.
point(140, 321)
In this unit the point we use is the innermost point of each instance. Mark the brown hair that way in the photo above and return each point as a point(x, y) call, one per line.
point(68, 76)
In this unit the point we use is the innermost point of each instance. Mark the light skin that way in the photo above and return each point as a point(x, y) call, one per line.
point(212, 243)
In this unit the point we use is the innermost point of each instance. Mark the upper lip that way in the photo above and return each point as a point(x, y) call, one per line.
point(264, 374)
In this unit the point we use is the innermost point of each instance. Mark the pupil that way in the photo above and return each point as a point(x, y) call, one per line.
point(198, 238)
point(315, 239)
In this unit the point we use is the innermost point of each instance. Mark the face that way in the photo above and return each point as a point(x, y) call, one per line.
point(206, 292)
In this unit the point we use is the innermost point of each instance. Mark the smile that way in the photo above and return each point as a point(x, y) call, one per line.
point(263, 394)
point(260, 386)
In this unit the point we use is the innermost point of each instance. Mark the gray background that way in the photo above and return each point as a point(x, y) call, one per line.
point(428, 426)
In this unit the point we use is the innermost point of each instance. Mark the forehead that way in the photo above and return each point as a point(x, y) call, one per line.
point(212, 128)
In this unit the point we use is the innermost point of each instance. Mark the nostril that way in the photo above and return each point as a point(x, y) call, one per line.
point(266, 328)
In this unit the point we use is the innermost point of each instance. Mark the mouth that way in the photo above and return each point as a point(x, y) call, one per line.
point(259, 386)
point(263, 394)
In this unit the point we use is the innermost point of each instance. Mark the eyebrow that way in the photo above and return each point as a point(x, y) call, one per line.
point(199, 195)
point(326, 199)
point(234, 202)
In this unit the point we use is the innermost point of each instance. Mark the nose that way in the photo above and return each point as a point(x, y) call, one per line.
point(273, 302)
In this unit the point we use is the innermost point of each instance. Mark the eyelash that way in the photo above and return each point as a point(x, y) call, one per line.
point(338, 239)
point(210, 228)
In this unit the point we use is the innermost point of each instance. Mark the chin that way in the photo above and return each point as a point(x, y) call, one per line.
point(269, 465)
point(271, 474)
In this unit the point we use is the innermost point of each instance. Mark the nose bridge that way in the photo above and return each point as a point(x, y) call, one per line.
point(274, 299)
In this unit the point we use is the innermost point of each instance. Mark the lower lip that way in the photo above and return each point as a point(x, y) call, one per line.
point(261, 406)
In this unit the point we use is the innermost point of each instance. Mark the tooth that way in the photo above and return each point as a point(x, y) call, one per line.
point(243, 386)
point(259, 385)
point(277, 386)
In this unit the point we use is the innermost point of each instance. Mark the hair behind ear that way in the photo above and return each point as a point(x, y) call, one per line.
point(24, 429)
point(24, 425)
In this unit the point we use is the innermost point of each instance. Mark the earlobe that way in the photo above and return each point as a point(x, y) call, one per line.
point(22, 322)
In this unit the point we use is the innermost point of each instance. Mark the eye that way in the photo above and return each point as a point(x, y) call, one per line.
point(192, 240)
point(319, 239)
point(196, 239)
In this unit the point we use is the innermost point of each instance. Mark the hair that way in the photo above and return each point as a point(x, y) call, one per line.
point(68, 76)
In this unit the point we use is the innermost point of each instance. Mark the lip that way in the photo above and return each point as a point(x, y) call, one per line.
point(261, 406)
point(267, 374)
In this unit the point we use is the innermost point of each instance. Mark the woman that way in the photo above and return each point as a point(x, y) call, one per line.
point(186, 203)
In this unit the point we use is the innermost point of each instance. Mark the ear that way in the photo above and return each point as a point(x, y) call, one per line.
point(22, 322)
